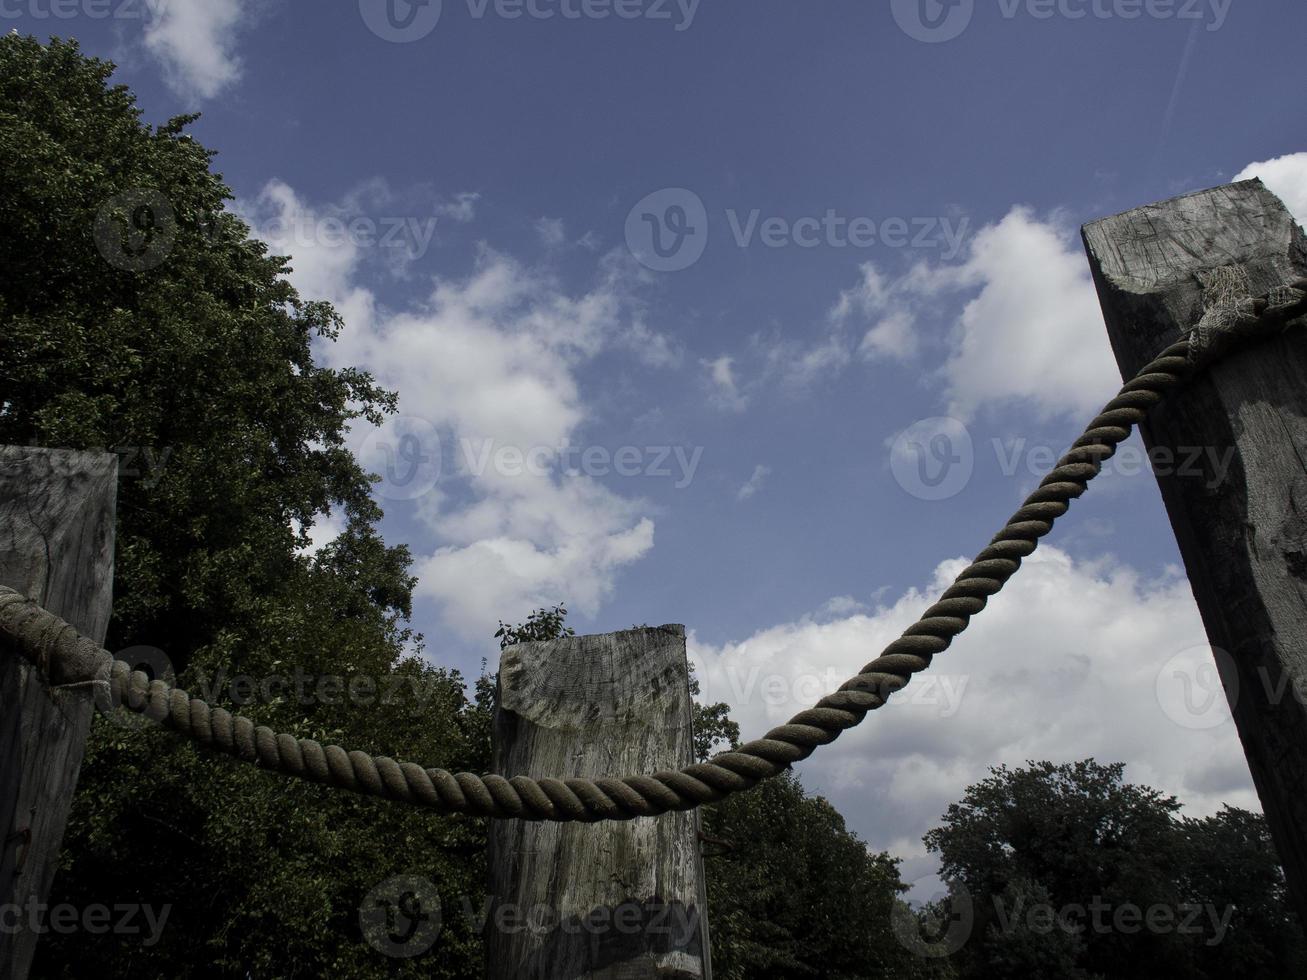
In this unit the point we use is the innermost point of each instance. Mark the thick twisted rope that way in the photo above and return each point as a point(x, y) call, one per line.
point(67, 658)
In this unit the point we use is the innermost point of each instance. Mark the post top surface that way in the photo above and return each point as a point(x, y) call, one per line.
point(1149, 248)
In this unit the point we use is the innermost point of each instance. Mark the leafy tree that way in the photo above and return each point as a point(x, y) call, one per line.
point(1022, 945)
point(1077, 841)
point(541, 625)
point(1229, 862)
point(713, 728)
point(135, 311)
point(799, 895)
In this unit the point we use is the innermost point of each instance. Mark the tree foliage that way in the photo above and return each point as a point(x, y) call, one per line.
point(1063, 863)
point(205, 360)
point(799, 895)
point(713, 728)
point(541, 625)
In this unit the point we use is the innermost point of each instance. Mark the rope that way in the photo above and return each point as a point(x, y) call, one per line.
point(66, 658)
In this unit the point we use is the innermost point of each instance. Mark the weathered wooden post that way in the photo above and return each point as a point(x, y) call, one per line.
point(56, 546)
point(1243, 538)
point(596, 901)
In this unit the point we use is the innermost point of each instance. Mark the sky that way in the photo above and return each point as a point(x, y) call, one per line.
point(757, 317)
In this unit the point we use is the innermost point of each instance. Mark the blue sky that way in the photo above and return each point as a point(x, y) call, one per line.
point(866, 243)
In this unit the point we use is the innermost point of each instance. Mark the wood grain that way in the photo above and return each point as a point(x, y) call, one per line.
point(1243, 538)
point(610, 900)
point(56, 546)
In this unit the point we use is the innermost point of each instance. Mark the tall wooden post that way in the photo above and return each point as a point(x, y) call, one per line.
point(56, 546)
point(1243, 538)
point(597, 901)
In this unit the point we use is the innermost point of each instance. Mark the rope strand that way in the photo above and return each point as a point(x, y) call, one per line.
point(66, 658)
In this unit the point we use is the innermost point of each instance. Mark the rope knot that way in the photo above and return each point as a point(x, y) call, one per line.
point(1231, 314)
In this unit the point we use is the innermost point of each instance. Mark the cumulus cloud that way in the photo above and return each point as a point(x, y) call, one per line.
point(1035, 332)
point(1029, 333)
point(1014, 322)
point(487, 371)
point(372, 225)
point(194, 42)
point(1032, 333)
point(1286, 177)
point(1072, 660)
point(1018, 316)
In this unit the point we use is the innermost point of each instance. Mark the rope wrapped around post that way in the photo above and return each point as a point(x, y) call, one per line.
point(65, 658)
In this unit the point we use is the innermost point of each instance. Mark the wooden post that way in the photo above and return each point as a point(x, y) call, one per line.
point(1243, 538)
point(597, 901)
point(56, 546)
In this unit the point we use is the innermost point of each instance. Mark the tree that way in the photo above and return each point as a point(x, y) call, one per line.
point(1063, 864)
point(137, 313)
point(713, 728)
point(541, 625)
point(1229, 862)
point(799, 895)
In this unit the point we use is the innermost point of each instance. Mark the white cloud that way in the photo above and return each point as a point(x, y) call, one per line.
point(551, 231)
point(324, 531)
point(868, 296)
point(372, 224)
point(194, 42)
point(507, 576)
point(886, 308)
point(1071, 660)
point(1018, 316)
point(321, 265)
point(725, 391)
point(1031, 333)
point(489, 361)
point(893, 338)
point(1035, 332)
point(778, 363)
point(462, 209)
point(654, 349)
point(1285, 177)
point(754, 483)
point(842, 605)
point(797, 366)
